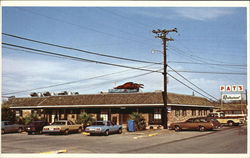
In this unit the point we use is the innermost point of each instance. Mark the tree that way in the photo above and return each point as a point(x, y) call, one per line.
point(139, 120)
point(8, 114)
point(85, 119)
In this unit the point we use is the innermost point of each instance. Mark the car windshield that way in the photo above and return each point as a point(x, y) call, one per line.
point(58, 123)
point(98, 124)
point(189, 120)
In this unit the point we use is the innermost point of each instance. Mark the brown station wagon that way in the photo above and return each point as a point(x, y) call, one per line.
point(200, 123)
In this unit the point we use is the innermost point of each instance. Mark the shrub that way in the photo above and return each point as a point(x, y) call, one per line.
point(85, 119)
point(28, 119)
point(139, 120)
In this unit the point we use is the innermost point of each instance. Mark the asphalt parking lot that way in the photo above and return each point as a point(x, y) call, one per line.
point(115, 143)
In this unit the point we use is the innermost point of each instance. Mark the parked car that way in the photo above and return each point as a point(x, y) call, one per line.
point(103, 127)
point(35, 127)
point(8, 127)
point(62, 126)
point(200, 123)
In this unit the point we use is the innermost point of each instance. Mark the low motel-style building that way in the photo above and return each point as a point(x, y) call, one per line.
point(113, 106)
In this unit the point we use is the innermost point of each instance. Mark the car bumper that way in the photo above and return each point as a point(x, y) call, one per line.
point(52, 131)
point(94, 132)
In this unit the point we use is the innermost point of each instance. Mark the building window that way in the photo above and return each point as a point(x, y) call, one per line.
point(200, 112)
point(193, 112)
point(177, 112)
point(104, 117)
point(18, 113)
point(205, 112)
point(157, 115)
point(184, 112)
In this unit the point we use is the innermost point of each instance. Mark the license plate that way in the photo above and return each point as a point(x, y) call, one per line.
point(51, 129)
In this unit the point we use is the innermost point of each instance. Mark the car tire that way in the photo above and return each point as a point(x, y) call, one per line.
point(177, 128)
point(106, 133)
point(230, 123)
point(19, 130)
point(66, 132)
point(202, 128)
point(29, 133)
point(3, 131)
point(120, 131)
point(79, 130)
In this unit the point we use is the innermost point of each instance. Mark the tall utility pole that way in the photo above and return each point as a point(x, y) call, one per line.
point(162, 34)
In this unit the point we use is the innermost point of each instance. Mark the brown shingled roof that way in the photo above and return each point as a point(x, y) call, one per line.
point(109, 98)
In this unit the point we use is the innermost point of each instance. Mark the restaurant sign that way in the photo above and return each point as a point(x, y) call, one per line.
point(230, 97)
point(231, 88)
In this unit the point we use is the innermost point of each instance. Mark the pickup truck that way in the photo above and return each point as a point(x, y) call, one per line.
point(62, 126)
point(103, 127)
point(227, 120)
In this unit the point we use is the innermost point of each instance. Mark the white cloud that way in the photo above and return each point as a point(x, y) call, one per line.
point(194, 13)
point(203, 13)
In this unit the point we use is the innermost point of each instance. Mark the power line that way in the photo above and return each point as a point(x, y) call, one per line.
point(82, 59)
point(183, 62)
point(65, 83)
point(76, 81)
point(206, 72)
point(79, 26)
point(79, 50)
point(188, 86)
point(191, 82)
point(77, 58)
point(123, 17)
point(117, 80)
point(195, 60)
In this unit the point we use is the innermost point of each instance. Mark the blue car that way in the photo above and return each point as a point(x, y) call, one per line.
point(103, 127)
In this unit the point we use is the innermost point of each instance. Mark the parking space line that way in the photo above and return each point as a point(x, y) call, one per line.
point(85, 133)
point(55, 152)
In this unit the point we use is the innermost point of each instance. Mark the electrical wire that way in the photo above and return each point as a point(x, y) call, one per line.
point(189, 87)
point(77, 58)
point(183, 62)
point(79, 26)
point(79, 50)
point(65, 83)
point(82, 59)
point(207, 72)
point(191, 83)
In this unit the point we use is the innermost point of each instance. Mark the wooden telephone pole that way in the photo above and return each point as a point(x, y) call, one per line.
point(162, 34)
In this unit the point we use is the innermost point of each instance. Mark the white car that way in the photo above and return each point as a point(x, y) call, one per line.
point(62, 126)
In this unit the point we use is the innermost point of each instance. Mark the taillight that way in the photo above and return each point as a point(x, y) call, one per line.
point(45, 128)
point(56, 128)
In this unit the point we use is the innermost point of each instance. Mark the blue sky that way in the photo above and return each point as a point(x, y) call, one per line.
point(214, 35)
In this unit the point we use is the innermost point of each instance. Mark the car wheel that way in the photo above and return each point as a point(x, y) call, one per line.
point(106, 133)
point(19, 130)
point(120, 131)
point(202, 128)
point(3, 131)
point(66, 132)
point(79, 130)
point(29, 133)
point(177, 128)
point(230, 123)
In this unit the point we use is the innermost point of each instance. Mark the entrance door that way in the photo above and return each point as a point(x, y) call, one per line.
point(55, 115)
